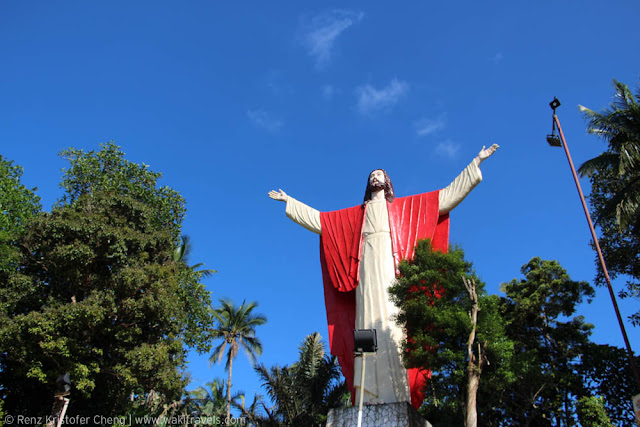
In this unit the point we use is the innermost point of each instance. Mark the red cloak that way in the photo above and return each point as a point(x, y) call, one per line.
point(410, 218)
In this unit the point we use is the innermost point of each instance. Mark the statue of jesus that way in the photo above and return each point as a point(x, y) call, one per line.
point(360, 249)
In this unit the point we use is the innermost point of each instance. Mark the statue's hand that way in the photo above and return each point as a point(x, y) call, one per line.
point(278, 195)
point(486, 153)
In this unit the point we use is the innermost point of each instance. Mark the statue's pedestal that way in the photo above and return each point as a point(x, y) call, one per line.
point(399, 414)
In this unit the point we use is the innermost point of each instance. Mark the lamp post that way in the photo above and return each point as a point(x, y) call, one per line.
point(364, 342)
point(556, 140)
point(60, 400)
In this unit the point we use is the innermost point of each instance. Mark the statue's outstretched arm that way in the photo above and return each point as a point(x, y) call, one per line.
point(300, 213)
point(455, 192)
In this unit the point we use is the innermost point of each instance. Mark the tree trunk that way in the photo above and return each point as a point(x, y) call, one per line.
point(474, 366)
point(473, 381)
point(229, 391)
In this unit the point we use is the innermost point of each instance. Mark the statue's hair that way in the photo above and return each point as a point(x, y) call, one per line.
point(388, 188)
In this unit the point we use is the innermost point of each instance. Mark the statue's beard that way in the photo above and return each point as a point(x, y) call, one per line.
point(377, 186)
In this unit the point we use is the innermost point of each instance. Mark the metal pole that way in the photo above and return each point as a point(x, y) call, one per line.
point(600, 257)
point(64, 411)
point(361, 391)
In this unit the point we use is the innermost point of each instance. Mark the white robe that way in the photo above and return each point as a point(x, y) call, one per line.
point(386, 379)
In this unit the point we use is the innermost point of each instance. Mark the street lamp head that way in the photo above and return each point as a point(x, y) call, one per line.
point(63, 385)
point(554, 139)
point(365, 341)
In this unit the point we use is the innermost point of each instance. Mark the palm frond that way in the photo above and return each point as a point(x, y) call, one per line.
point(182, 251)
point(619, 126)
point(252, 347)
point(605, 160)
point(198, 394)
point(311, 353)
point(218, 353)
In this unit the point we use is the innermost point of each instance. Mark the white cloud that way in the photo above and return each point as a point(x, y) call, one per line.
point(426, 127)
point(371, 100)
point(321, 32)
point(264, 120)
point(447, 149)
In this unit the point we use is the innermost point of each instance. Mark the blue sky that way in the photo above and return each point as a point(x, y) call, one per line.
point(232, 99)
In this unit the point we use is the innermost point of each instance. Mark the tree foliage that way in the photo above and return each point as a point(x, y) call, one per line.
point(18, 205)
point(304, 392)
point(100, 294)
point(541, 368)
point(436, 309)
point(548, 345)
point(606, 373)
point(591, 412)
point(615, 187)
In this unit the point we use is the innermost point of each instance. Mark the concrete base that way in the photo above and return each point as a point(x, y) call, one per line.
point(399, 414)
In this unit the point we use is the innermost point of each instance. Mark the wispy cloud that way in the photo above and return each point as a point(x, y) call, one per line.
point(498, 57)
point(265, 120)
point(427, 126)
point(321, 32)
point(447, 149)
point(371, 100)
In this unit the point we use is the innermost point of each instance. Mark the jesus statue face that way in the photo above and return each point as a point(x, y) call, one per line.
point(377, 180)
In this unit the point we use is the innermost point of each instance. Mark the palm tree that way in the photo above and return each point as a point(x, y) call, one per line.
point(258, 414)
point(620, 127)
point(212, 401)
point(304, 392)
point(320, 372)
point(282, 389)
point(237, 328)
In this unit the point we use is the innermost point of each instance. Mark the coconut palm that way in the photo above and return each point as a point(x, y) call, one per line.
point(237, 328)
point(620, 127)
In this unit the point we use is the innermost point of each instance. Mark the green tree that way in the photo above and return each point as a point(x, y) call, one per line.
point(18, 292)
point(620, 247)
point(18, 205)
point(454, 329)
point(615, 187)
point(547, 349)
point(607, 374)
point(304, 392)
point(591, 412)
point(237, 328)
point(107, 300)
